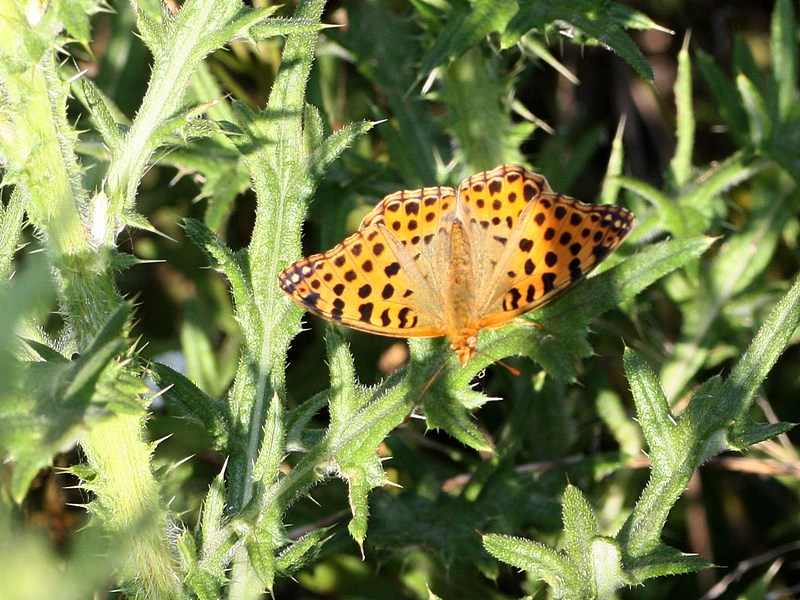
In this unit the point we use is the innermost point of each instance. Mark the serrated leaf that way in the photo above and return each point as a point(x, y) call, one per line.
point(351, 446)
point(580, 526)
point(450, 415)
point(652, 406)
point(538, 560)
point(466, 24)
point(361, 479)
point(332, 147)
point(224, 260)
point(345, 399)
point(151, 17)
point(378, 37)
point(784, 56)
point(601, 292)
point(261, 552)
point(757, 113)
point(45, 406)
point(770, 341)
point(665, 561)
point(267, 467)
point(76, 16)
point(479, 100)
point(281, 26)
point(746, 432)
point(11, 220)
point(587, 21)
point(299, 552)
point(213, 510)
point(105, 117)
point(209, 412)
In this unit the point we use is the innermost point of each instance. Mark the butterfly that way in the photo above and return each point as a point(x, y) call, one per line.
point(439, 262)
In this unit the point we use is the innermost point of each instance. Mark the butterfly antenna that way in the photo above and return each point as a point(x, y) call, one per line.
point(513, 370)
point(431, 380)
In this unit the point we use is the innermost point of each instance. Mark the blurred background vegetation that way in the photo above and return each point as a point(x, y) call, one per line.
point(554, 105)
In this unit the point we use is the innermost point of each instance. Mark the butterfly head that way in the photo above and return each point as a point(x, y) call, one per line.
point(465, 347)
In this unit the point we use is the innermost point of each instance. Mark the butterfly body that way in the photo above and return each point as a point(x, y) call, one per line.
point(439, 262)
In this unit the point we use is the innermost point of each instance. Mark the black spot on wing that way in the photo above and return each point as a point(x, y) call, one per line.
point(365, 311)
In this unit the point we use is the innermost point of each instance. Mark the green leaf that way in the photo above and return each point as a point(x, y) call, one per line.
point(46, 406)
point(227, 263)
point(665, 561)
point(746, 432)
point(387, 52)
point(360, 421)
point(180, 392)
point(757, 114)
point(590, 21)
point(771, 340)
point(538, 560)
point(345, 399)
point(450, 413)
point(279, 26)
point(784, 56)
point(267, 467)
point(744, 256)
point(599, 293)
point(76, 17)
point(681, 164)
point(106, 117)
point(11, 219)
point(726, 97)
point(466, 24)
point(652, 408)
point(480, 100)
point(301, 551)
point(205, 576)
point(580, 526)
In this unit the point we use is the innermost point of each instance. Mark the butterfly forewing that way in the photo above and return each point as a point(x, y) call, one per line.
point(493, 203)
point(558, 242)
point(418, 220)
point(381, 278)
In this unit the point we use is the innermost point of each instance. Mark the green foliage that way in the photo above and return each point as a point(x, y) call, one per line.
point(282, 120)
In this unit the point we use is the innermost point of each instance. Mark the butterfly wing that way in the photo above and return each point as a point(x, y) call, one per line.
point(557, 241)
point(380, 279)
point(492, 204)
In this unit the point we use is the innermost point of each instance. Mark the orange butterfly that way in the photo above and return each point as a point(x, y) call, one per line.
point(435, 261)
